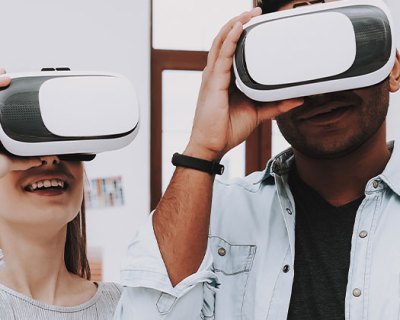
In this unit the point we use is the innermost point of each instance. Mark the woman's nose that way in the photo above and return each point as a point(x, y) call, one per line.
point(50, 160)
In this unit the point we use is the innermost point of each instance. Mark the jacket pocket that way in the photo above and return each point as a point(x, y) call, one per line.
point(232, 263)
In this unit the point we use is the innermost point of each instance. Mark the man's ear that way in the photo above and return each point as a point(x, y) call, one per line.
point(394, 77)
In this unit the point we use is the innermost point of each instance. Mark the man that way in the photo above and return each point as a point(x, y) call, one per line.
point(314, 236)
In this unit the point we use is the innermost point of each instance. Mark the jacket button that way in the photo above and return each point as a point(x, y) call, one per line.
point(375, 184)
point(356, 292)
point(289, 211)
point(363, 234)
point(221, 252)
point(286, 268)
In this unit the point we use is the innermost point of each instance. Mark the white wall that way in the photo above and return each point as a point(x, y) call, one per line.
point(85, 35)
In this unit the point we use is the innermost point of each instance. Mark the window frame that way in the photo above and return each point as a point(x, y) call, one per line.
point(258, 145)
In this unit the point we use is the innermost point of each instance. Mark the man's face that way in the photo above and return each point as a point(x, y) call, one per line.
point(335, 124)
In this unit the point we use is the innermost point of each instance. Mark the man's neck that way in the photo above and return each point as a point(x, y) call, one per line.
point(340, 181)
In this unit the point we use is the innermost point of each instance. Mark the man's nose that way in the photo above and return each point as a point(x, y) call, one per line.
point(50, 160)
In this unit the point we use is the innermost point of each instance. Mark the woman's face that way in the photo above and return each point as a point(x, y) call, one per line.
point(49, 195)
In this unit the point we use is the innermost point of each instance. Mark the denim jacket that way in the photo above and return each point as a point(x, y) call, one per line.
point(247, 272)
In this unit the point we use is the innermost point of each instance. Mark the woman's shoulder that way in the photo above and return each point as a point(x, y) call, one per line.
point(109, 293)
point(110, 287)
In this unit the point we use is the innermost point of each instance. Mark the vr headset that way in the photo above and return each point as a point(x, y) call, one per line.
point(71, 114)
point(315, 49)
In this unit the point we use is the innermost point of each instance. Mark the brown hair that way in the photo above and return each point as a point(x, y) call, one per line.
point(75, 255)
point(272, 5)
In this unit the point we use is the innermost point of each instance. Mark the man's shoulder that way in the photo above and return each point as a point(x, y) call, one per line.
point(251, 183)
point(239, 203)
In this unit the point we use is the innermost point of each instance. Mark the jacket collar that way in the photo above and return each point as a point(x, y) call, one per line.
point(391, 173)
point(280, 164)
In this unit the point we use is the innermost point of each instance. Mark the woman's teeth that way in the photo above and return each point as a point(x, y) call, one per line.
point(45, 184)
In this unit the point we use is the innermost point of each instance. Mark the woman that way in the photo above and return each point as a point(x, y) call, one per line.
point(44, 271)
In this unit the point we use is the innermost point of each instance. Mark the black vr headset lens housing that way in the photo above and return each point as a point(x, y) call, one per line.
point(315, 49)
point(64, 157)
point(75, 115)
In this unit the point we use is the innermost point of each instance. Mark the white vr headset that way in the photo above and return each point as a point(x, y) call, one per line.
point(315, 49)
point(73, 114)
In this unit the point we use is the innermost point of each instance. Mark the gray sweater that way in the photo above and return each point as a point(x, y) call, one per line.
point(16, 306)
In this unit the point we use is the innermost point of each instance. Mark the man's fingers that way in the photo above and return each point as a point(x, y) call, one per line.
point(224, 59)
point(220, 38)
point(224, 62)
point(274, 109)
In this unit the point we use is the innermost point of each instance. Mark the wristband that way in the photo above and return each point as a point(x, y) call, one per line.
point(211, 167)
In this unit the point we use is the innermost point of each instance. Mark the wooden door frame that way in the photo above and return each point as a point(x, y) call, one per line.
point(258, 145)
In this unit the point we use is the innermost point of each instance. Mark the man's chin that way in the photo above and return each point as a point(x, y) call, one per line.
point(326, 151)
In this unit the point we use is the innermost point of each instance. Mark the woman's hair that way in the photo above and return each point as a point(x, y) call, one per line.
point(272, 5)
point(75, 254)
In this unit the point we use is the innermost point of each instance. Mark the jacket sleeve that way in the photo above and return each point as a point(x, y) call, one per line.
point(148, 293)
